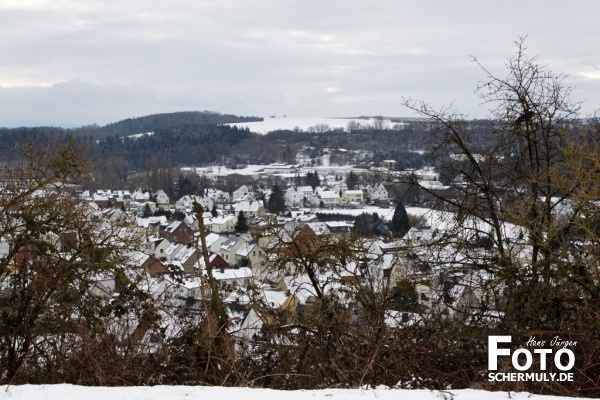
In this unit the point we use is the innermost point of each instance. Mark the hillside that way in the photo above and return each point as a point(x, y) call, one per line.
point(151, 123)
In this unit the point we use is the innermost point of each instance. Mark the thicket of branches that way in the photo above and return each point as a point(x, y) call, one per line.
point(526, 214)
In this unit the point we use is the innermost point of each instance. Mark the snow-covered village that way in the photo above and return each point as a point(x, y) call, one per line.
point(299, 199)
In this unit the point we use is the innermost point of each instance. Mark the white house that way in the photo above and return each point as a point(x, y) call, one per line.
point(379, 192)
point(217, 195)
point(329, 198)
point(230, 247)
point(352, 196)
point(186, 203)
point(156, 246)
point(220, 224)
point(243, 190)
point(233, 277)
point(252, 253)
point(295, 195)
point(161, 198)
point(254, 208)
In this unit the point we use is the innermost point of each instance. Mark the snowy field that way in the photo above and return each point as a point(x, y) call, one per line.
point(273, 124)
point(68, 392)
point(385, 214)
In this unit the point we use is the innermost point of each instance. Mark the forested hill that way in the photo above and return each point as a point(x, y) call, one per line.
point(155, 122)
point(9, 137)
point(179, 145)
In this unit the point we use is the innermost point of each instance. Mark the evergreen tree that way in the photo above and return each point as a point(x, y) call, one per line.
point(312, 179)
point(363, 225)
point(185, 186)
point(242, 223)
point(352, 181)
point(276, 201)
point(400, 223)
point(147, 211)
point(214, 212)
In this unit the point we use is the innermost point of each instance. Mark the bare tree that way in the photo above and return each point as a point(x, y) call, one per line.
point(52, 311)
point(520, 195)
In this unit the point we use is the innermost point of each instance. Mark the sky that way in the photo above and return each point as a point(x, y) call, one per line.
point(70, 392)
point(72, 62)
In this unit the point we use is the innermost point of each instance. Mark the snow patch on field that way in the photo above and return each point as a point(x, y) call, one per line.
point(68, 392)
point(303, 124)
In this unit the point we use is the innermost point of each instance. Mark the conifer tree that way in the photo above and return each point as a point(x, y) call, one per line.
point(400, 223)
point(276, 201)
point(242, 223)
point(352, 181)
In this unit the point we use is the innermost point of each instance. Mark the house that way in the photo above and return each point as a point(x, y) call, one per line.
point(253, 208)
point(379, 193)
point(352, 196)
point(220, 224)
point(297, 196)
point(126, 199)
point(339, 228)
point(178, 232)
point(186, 203)
point(250, 254)
point(186, 258)
point(156, 246)
point(312, 234)
point(140, 196)
point(191, 220)
point(243, 191)
point(339, 186)
point(151, 224)
point(280, 168)
point(101, 200)
point(329, 198)
point(230, 247)
point(104, 285)
point(140, 208)
point(214, 242)
point(172, 250)
point(154, 267)
point(233, 277)
point(217, 195)
point(216, 262)
point(162, 200)
point(276, 301)
point(186, 288)
point(389, 164)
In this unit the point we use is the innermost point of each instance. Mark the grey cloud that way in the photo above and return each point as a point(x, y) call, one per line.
point(108, 60)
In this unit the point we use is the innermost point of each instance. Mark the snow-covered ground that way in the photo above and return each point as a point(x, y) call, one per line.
point(68, 392)
point(273, 124)
point(384, 213)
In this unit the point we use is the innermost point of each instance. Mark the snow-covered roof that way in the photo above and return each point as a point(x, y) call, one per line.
point(232, 273)
point(248, 206)
point(245, 249)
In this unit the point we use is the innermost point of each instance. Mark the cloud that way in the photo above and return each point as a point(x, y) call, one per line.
point(74, 103)
point(98, 61)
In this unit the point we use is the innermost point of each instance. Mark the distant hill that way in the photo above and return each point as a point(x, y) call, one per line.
point(152, 123)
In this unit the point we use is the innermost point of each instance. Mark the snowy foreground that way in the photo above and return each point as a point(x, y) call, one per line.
point(67, 392)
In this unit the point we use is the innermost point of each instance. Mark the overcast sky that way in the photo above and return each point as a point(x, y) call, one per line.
point(77, 62)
